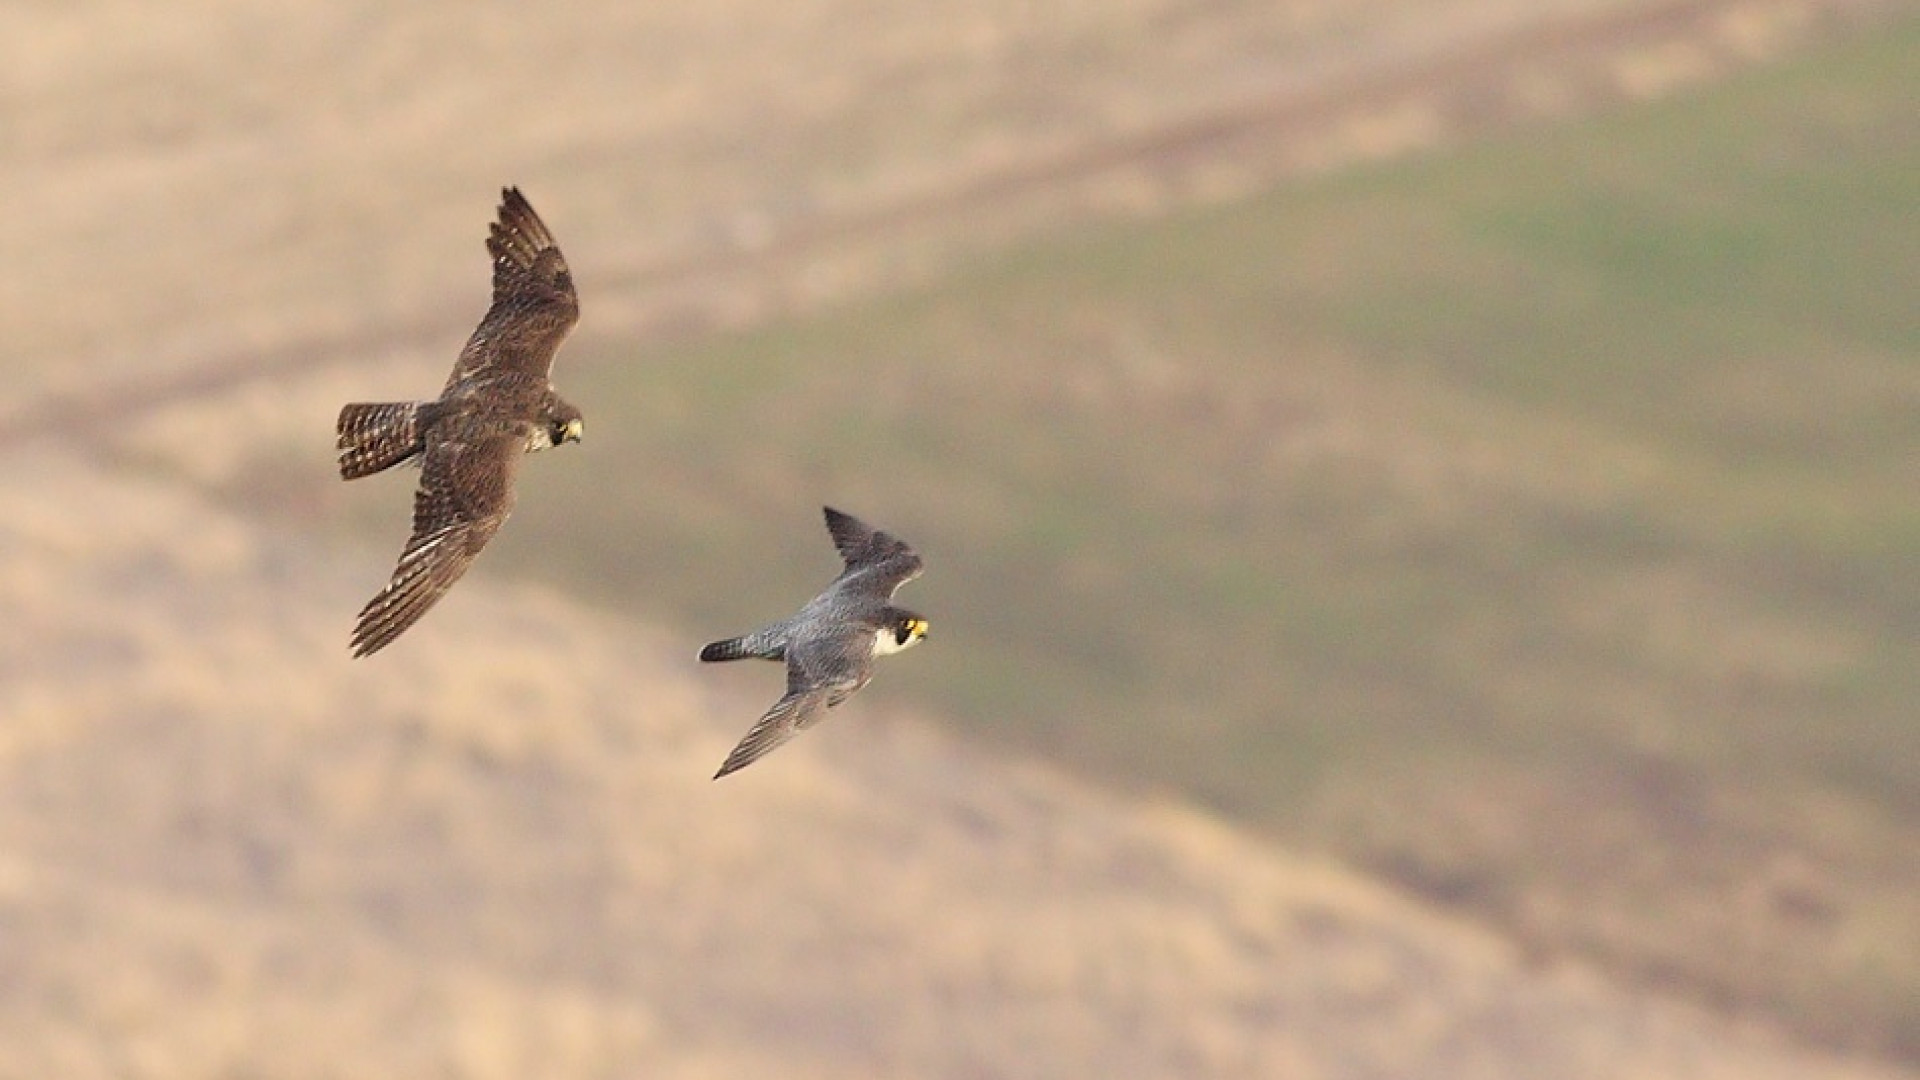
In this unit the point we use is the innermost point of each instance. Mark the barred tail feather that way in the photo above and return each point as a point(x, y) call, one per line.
point(730, 649)
point(376, 436)
point(766, 643)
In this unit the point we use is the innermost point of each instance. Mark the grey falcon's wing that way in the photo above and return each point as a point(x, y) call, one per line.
point(466, 492)
point(877, 561)
point(821, 673)
point(534, 305)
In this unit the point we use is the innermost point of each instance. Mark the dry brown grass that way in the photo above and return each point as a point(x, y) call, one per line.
point(494, 852)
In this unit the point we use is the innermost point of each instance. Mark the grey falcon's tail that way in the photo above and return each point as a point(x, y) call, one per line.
point(759, 645)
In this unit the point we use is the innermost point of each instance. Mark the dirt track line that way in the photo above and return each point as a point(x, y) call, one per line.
point(1470, 84)
point(1474, 79)
point(68, 412)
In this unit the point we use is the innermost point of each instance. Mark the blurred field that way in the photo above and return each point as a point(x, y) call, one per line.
point(1533, 524)
point(1523, 524)
point(228, 850)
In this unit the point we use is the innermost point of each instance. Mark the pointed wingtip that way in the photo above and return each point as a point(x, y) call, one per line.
point(514, 210)
point(363, 644)
point(848, 532)
point(735, 762)
point(369, 638)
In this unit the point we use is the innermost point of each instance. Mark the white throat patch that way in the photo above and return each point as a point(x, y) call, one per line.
point(886, 643)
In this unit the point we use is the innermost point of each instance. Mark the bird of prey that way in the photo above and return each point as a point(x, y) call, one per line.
point(497, 405)
point(830, 644)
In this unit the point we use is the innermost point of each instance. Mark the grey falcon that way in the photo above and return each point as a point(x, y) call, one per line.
point(830, 644)
point(497, 406)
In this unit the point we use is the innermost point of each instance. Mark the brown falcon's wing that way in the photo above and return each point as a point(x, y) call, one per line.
point(882, 561)
point(820, 675)
point(466, 491)
point(534, 305)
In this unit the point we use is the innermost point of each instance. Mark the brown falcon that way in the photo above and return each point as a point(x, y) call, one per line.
point(497, 406)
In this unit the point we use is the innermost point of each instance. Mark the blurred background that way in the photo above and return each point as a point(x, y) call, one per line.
point(1420, 497)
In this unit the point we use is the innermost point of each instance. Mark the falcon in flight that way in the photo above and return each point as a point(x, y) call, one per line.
point(497, 406)
point(830, 644)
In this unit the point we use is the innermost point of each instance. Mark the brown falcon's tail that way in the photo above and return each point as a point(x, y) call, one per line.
point(379, 435)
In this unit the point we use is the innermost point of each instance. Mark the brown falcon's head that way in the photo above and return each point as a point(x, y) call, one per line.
point(561, 423)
